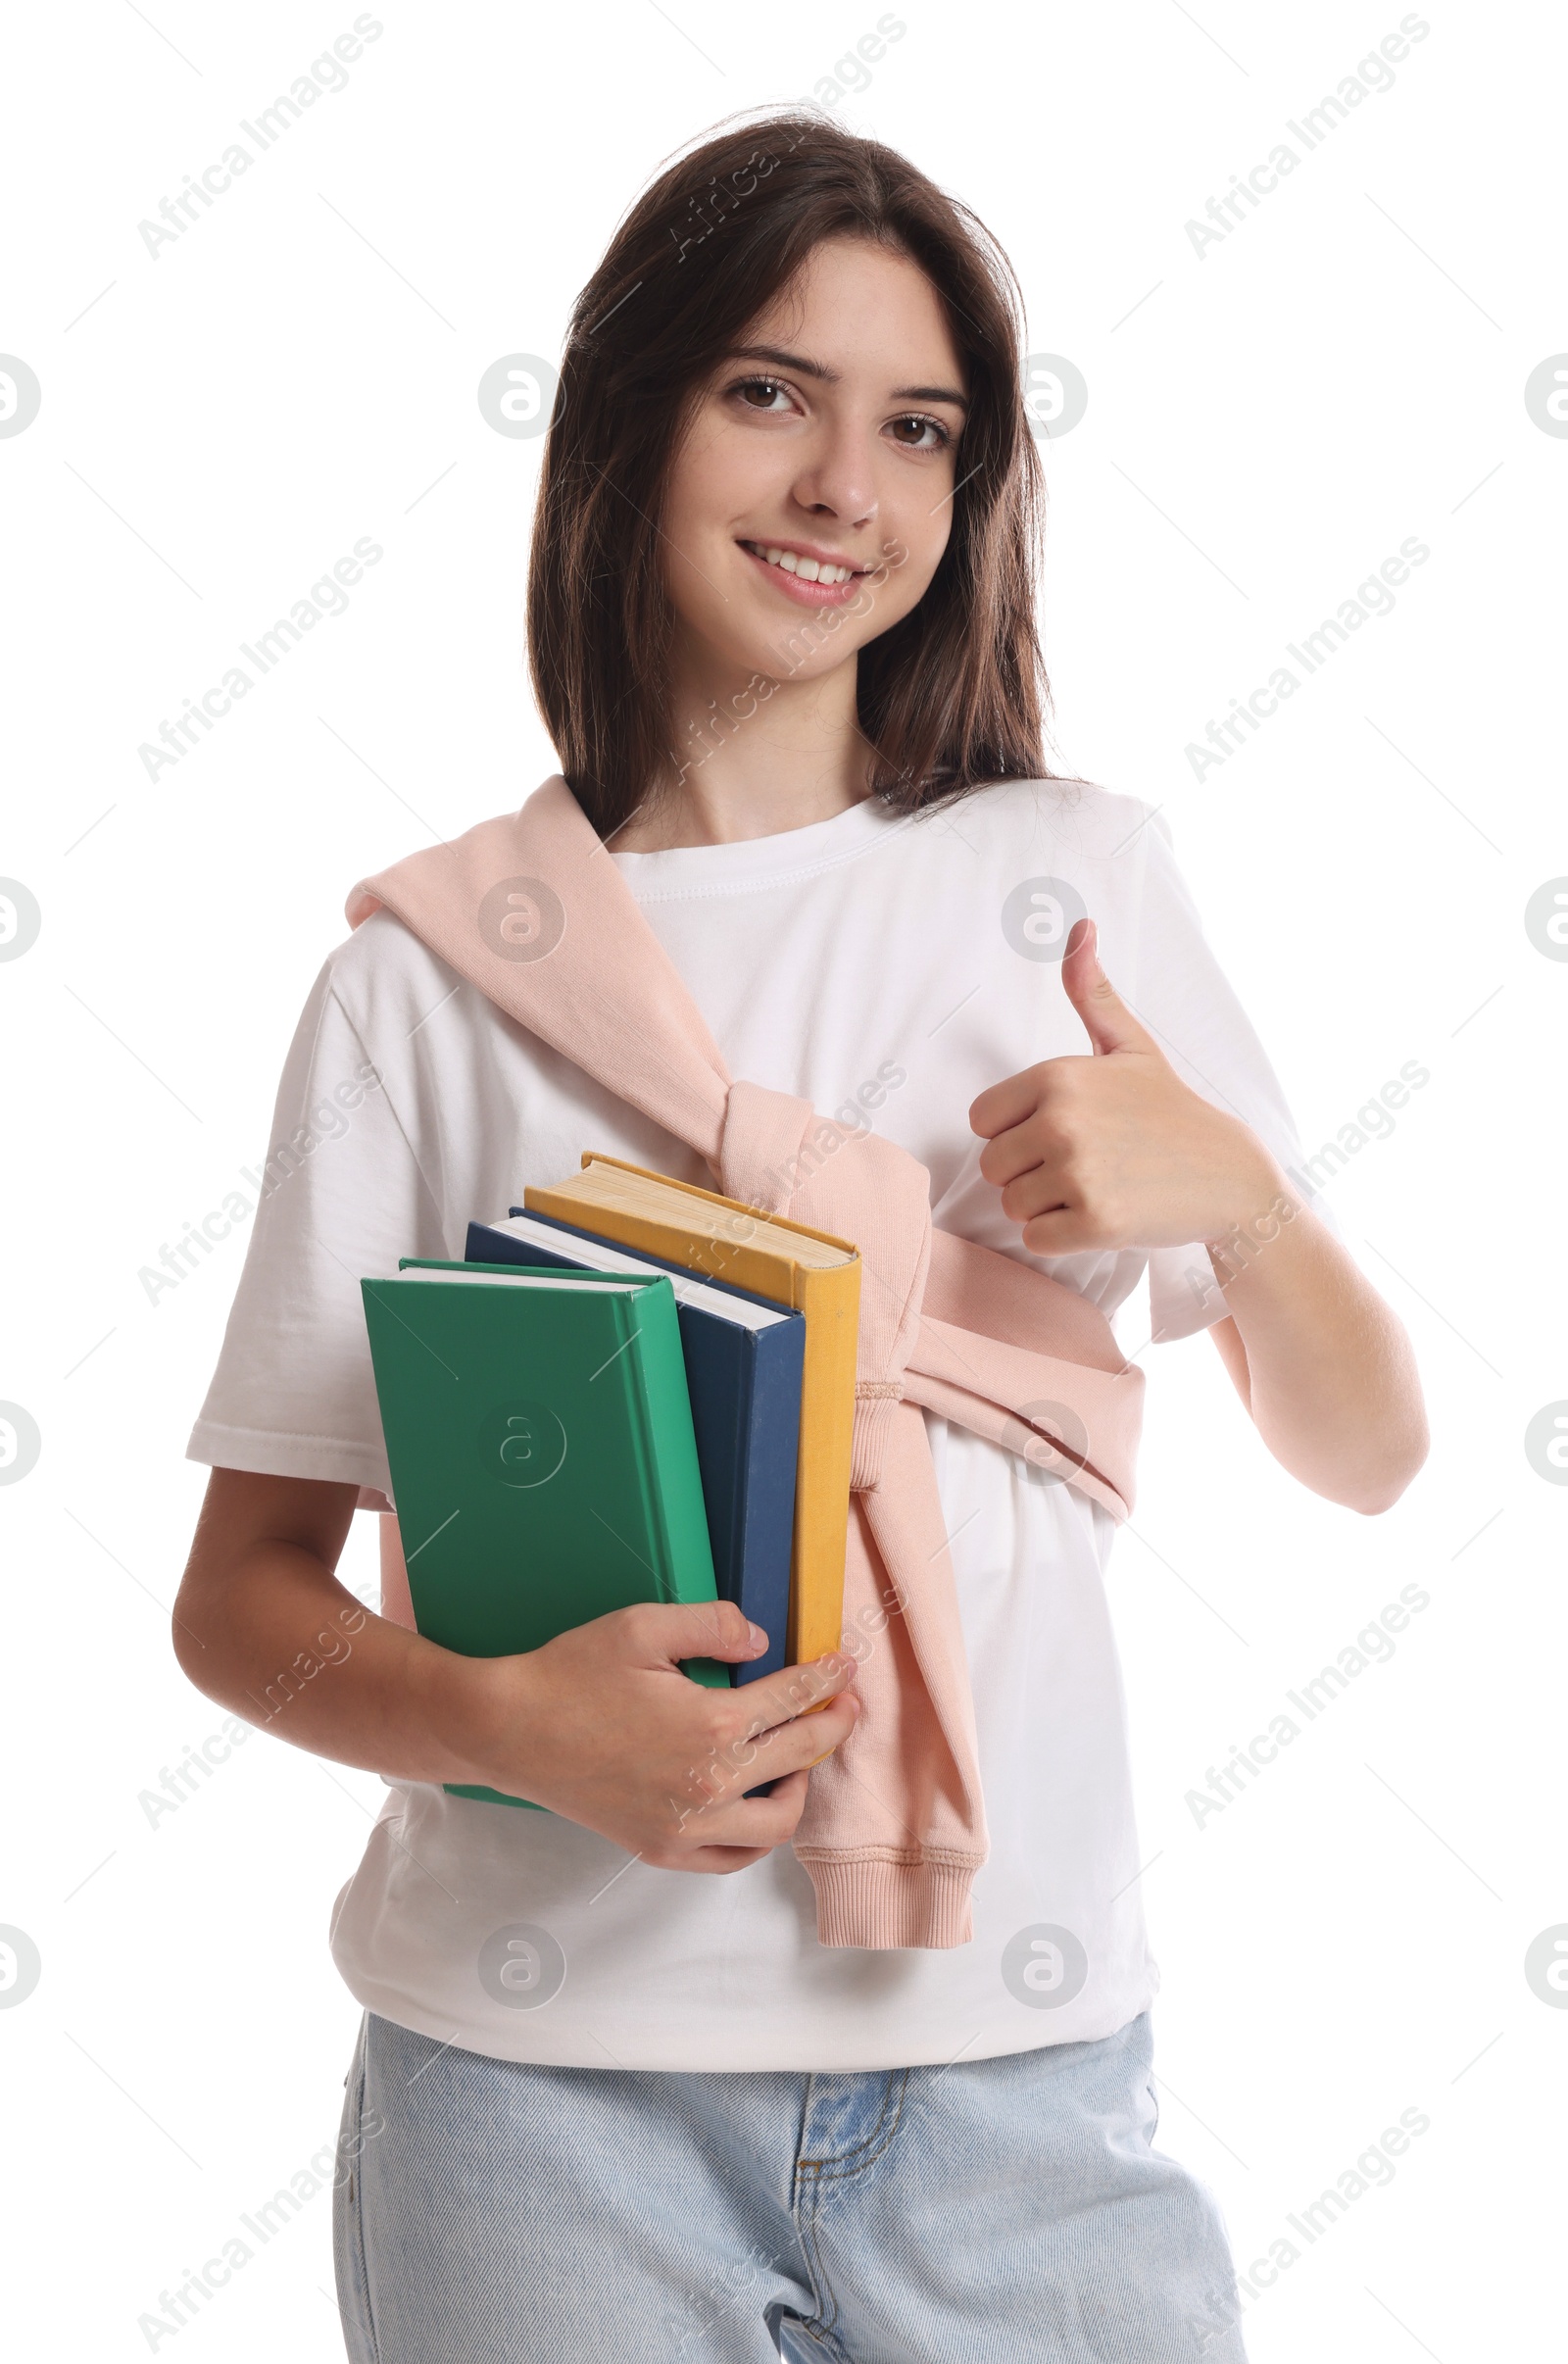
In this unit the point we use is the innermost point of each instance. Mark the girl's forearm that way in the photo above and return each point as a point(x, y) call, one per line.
point(284, 1645)
point(601, 1724)
point(1330, 1377)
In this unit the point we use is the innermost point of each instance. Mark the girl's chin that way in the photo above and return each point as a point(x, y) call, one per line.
point(763, 662)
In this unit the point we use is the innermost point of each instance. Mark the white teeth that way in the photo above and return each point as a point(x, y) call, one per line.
point(809, 571)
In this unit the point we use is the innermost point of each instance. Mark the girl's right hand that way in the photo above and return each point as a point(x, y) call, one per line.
point(600, 1726)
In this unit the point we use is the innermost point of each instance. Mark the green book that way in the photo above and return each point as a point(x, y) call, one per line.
point(539, 1438)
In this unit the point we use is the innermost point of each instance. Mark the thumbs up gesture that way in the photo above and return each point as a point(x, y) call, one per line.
point(1113, 1150)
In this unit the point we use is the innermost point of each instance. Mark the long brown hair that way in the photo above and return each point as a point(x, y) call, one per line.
point(952, 695)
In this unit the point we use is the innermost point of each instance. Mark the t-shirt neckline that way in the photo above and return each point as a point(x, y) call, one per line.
point(816, 845)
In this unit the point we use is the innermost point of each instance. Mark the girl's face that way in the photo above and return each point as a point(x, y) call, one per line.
point(811, 497)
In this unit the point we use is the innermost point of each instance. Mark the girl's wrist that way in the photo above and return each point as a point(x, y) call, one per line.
point(1252, 1192)
point(466, 1706)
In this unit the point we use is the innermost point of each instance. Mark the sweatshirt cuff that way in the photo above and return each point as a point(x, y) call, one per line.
point(882, 1901)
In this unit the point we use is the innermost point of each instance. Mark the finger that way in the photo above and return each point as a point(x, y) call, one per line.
point(757, 1823)
point(794, 1690)
point(718, 1859)
point(662, 1633)
point(1060, 1231)
point(1107, 1021)
point(732, 1768)
point(1002, 1106)
point(1034, 1146)
point(726, 1838)
point(743, 1821)
point(782, 1754)
point(790, 1748)
point(1042, 1188)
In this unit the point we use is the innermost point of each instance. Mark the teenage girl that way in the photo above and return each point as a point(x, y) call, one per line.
point(781, 629)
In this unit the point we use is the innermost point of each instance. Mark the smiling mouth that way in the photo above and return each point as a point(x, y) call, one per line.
point(805, 570)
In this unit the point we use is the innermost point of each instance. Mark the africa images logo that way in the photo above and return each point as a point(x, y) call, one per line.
point(1045, 1966)
point(522, 1966)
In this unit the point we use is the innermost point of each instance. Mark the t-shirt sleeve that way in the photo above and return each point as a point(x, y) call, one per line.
point(1188, 1004)
point(342, 1196)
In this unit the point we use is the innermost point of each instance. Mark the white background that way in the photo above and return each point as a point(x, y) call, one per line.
point(1266, 423)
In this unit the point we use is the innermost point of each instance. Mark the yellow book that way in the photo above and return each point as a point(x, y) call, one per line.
point(810, 1271)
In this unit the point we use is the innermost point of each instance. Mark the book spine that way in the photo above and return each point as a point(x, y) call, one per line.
point(766, 1461)
point(667, 1398)
point(630, 1367)
point(831, 1302)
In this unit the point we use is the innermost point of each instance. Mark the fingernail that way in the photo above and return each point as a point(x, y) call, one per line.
point(758, 1637)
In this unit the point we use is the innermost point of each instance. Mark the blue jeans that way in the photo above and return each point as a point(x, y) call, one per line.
point(1010, 2209)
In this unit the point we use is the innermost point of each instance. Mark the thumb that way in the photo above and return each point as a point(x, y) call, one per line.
point(1108, 1023)
point(697, 1629)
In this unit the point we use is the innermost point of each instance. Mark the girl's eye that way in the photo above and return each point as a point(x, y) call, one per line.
point(770, 388)
point(930, 435)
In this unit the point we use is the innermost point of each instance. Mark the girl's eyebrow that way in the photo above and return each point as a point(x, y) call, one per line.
point(831, 377)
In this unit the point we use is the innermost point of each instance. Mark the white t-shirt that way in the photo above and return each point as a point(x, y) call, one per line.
point(904, 964)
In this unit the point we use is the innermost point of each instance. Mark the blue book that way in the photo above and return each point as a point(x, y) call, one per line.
point(744, 1363)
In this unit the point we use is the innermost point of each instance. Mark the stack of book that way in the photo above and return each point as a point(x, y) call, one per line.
point(631, 1390)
